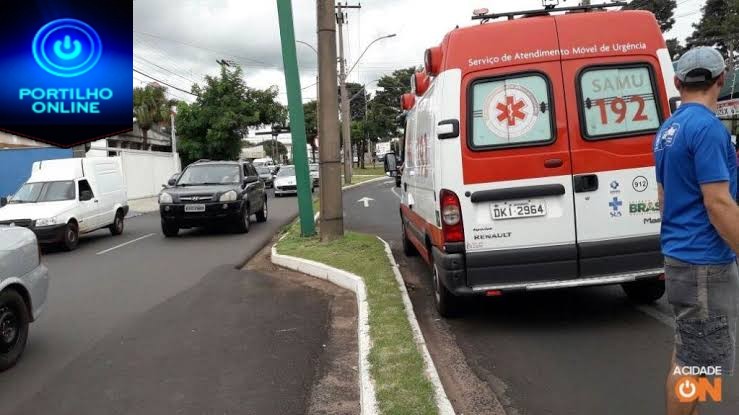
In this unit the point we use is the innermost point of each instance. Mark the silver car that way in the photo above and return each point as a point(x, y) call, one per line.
point(24, 282)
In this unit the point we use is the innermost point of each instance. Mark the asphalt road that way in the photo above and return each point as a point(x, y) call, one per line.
point(578, 351)
point(143, 324)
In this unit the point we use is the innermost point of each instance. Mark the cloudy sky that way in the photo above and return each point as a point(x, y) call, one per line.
point(179, 41)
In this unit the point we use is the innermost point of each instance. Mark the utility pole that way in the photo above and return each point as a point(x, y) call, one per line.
point(332, 212)
point(346, 119)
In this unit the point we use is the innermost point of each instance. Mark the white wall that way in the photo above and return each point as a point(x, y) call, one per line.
point(144, 171)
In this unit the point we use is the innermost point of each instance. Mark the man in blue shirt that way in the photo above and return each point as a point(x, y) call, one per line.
point(697, 176)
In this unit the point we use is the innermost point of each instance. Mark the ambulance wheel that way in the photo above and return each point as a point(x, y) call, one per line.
point(408, 248)
point(447, 304)
point(644, 292)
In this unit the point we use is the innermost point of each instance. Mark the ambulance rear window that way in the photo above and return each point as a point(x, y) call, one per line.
point(618, 101)
point(511, 112)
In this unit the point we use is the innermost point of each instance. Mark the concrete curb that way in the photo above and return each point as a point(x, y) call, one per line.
point(349, 281)
point(442, 401)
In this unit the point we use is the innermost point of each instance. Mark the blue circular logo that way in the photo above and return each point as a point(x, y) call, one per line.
point(67, 47)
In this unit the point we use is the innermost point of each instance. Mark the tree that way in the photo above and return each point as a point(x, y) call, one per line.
point(675, 48)
point(151, 107)
point(310, 109)
point(663, 10)
point(384, 108)
point(213, 126)
point(718, 27)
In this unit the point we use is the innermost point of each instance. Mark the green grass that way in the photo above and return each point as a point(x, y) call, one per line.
point(379, 170)
point(396, 364)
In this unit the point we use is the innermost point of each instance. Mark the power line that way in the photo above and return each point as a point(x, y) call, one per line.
point(208, 49)
point(162, 82)
point(164, 69)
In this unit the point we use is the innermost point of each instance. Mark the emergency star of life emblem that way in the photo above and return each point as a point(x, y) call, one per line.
point(510, 111)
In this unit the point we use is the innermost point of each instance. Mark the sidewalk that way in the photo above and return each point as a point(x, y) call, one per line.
point(139, 207)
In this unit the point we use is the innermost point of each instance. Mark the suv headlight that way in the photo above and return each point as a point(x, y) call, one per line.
point(229, 196)
point(46, 222)
point(165, 198)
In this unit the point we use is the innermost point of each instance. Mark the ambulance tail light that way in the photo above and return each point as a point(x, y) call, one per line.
point(451, 217)
point(407, 101)
point(432, 60)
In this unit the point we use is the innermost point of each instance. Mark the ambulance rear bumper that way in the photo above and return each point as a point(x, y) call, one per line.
point(466, 274)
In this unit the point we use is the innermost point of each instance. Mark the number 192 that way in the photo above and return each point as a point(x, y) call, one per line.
point(618, 107)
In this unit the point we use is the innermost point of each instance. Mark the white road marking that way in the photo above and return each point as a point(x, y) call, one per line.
point(124, 244)
point(657, 315)
point(365, 200)
point(396, 193)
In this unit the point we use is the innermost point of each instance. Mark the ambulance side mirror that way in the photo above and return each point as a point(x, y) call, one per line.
point(391, 163)
point(447, 129)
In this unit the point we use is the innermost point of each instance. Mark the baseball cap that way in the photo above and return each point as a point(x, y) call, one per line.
point(699, 65)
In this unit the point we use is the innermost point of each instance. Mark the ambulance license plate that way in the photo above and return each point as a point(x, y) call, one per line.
point(195, 208)
point(517, 210)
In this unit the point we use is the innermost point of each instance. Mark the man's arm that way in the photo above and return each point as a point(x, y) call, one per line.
point(661, 198)
point(722, 211)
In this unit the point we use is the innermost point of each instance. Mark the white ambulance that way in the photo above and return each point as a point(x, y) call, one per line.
point(528, 160)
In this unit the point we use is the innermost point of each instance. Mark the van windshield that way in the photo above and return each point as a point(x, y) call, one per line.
point(210, 174)
point(44, 192)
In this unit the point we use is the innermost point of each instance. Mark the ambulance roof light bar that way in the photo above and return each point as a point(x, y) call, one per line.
point(547, 8)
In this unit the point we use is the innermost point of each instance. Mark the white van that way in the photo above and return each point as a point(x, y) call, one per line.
point(68, 197)
point(528, 162)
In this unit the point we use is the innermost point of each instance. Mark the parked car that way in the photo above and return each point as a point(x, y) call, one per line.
point(266, 176)
point(68, 197)
point(536, 172)
point(212, 193)
point(286, 183)
point(24, 282)
point(315, 174)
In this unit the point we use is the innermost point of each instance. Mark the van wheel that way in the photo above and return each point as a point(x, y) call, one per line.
point(71, 237)
point(170, 230)
point(408, 248)
point(14, 320)
point(447, 304)
point(117, 227)
point(262, 214)
point(644, 292)
point(244, 220)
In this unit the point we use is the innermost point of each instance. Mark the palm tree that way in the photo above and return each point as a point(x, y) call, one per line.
point(151, 107)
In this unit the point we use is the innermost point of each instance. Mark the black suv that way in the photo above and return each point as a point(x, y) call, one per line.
point(210, 193)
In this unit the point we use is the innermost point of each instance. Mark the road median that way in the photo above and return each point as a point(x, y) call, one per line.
point(396, 372)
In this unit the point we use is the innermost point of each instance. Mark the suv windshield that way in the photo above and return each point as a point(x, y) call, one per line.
point(286, 171)
point(263, 170)
point(44, 192)
point(210, 174)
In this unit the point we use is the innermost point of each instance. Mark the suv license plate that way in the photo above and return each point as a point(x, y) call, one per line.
point(517, 210)
point(195, 208)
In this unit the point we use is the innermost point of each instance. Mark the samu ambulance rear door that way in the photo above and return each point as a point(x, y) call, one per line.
point(614, 108)
point(517, 205)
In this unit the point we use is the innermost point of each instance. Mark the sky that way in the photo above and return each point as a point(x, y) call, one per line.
point(178, 41)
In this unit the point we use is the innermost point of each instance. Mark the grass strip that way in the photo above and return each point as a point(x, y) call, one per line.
point(396, 365)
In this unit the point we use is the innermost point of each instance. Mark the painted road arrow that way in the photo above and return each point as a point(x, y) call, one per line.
point(365, 200)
